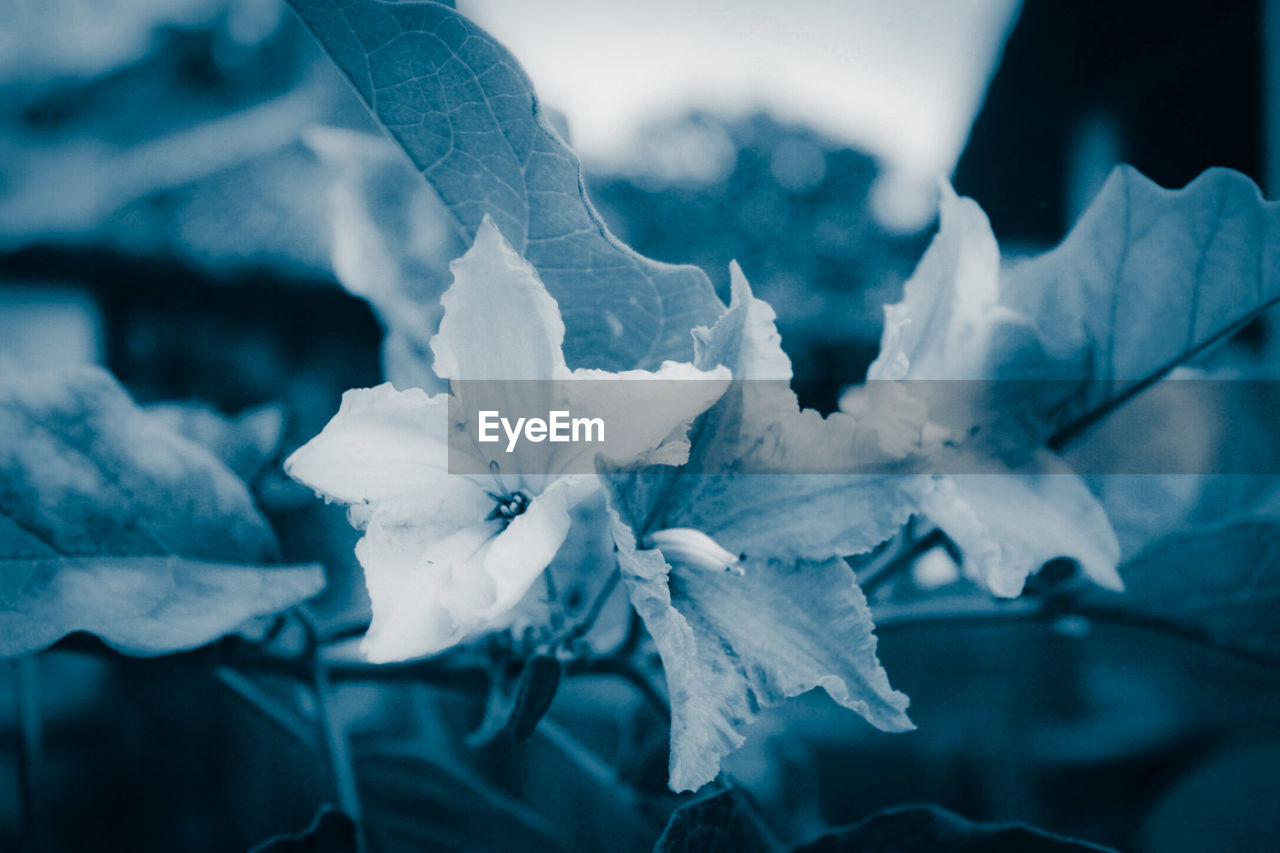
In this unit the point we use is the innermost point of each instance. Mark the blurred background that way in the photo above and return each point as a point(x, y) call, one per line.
point(171, 195)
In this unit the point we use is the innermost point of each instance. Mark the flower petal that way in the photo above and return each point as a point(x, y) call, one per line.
point(745, 338)
point(385, 451)
point(648, 412)
point(408, 591)
point(1009, 524)
point(942, 327)
point(499, 320)
point(732, 645)
point(952, 325)
point(433, 585)
point(521, 552)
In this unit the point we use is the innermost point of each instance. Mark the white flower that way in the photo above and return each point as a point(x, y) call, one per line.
point(447, 556)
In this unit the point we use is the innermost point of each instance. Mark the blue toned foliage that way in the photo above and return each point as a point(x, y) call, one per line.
point(112, 524)
point(463, 110)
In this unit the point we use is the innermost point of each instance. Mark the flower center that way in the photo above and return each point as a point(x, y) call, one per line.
point(510, 504)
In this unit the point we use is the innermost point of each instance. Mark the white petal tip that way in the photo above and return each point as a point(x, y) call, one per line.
point(685, 546)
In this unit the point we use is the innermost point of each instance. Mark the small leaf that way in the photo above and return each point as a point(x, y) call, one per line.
point(112, 524)
point(332, 831)
point(725, 822)
point(538, 685)
point(466, 114)
point(930, 829)
point(1220, 585)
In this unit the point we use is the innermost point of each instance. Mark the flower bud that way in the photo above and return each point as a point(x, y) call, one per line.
point(685, 546)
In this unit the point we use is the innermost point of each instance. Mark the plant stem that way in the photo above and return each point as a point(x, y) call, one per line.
point(554, 607)
point(265, 704)
point(335, 738)
point(969, 609)
point(879, 575)
point(26, 701)
point(584, 625)
point(601, 772)
point(626, 669)
point(339, 755)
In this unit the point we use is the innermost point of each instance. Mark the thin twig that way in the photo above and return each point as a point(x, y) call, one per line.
point(626, 669)
point(887, 571)
point(588, 621)
point(26, 701)
point(1127, 618)
point(266, 704)
point(554, 607)
point(335, 737)
point(987, 611)
point(955, 610)
point(604, 775)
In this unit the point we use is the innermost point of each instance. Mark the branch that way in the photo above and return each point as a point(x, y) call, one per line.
point(26, 703)
point(335, 736)
point(878, 576)
point(588, 621)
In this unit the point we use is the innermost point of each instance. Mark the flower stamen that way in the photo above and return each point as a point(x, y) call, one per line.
point(510, 504)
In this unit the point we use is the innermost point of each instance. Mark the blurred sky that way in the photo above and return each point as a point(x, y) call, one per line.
point(901, 79)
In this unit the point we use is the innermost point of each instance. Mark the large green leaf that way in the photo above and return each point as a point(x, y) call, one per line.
point(466, 114)
point(1219, 585)
point(725, 822)
point(1148, 279)
point(112, 524)
point(929, 829)
point(332, 831)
